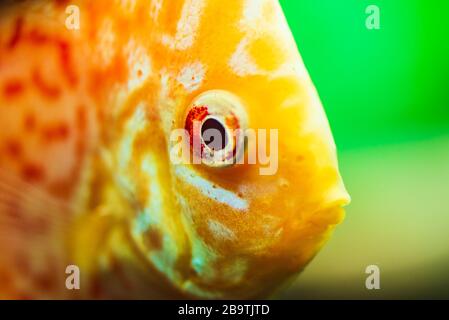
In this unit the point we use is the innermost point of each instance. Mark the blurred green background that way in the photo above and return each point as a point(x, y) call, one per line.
point(387, 99)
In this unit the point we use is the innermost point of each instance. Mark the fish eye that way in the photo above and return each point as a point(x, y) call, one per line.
point(215, 121)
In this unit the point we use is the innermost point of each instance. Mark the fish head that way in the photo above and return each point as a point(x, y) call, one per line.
point(236, 215)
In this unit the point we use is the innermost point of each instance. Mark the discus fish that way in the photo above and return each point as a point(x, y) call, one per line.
point(90, 94)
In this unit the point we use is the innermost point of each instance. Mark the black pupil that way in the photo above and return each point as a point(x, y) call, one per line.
point(216, 137)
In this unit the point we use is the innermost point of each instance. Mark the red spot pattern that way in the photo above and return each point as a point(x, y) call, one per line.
point(16, 33)
point(12, 88)
point(48, 90)
point(14, 148)
point(56, 132)
point(33, 172)
point(27, 154)
point(197, 113)
point(64, 56)
point(37, 37)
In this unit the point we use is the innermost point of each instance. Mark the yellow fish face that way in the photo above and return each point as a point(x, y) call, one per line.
point(241, 223)
point(186, 136)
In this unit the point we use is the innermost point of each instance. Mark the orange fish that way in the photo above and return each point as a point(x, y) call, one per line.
point(91, 94)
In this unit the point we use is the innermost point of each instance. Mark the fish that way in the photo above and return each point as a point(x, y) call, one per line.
point(91, 94)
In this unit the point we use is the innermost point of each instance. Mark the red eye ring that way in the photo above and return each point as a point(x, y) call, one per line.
point(215, 121)
point(196, 113)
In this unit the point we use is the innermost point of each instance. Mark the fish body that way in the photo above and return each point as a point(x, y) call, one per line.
point(87, 176)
